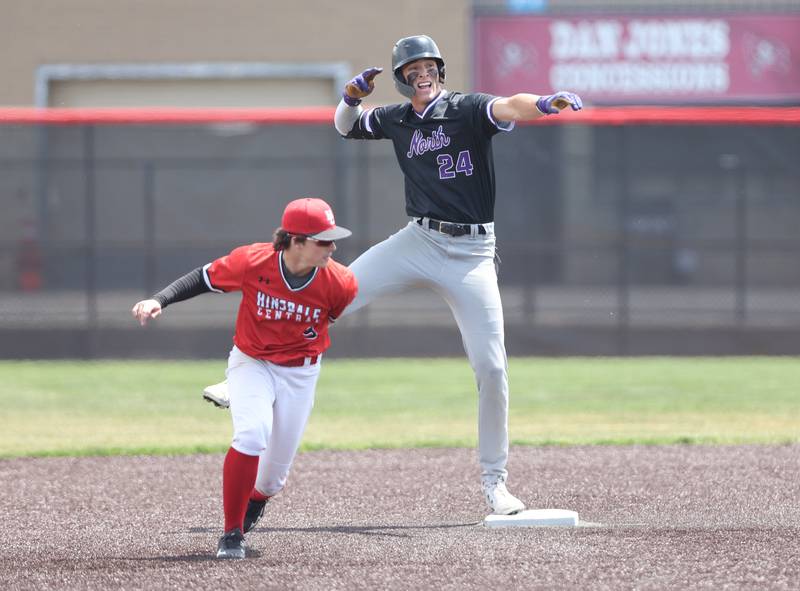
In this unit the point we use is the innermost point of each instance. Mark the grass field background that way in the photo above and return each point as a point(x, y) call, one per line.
point(131, 407)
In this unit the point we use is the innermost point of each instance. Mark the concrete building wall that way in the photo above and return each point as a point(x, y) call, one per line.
point(39, 32)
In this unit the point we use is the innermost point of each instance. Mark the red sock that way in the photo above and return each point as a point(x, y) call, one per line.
point(238, 477)
point(256, 495)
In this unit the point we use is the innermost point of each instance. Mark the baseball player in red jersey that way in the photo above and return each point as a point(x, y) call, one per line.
point(291, 291)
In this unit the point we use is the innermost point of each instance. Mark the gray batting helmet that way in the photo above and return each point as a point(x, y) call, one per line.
point(410, 49)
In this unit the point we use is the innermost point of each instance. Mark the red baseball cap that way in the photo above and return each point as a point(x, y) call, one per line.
point(313, 218)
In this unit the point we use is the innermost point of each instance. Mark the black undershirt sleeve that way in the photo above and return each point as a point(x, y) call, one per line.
point(190, 285)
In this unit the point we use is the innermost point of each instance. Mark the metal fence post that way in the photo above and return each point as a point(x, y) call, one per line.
point(732, 163)
point(149, 229)
point(623, 247)
point(90, 240)
point(41, 182)
point(360, 166)
point(531, 282)
point(742, 245)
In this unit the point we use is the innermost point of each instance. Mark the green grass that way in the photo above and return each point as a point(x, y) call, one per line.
point(131, 407)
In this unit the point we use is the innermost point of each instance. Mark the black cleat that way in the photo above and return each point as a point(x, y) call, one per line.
point(231, 545)
point(255, 511)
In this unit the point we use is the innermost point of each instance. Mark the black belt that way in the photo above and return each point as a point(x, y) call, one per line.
point(451, 228)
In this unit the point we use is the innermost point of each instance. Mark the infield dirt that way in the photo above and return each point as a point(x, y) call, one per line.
point(671, 517)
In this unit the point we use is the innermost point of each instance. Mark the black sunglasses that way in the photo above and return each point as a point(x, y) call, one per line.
point(322, 243)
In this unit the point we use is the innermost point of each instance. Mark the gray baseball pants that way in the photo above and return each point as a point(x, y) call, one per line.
point(460, 269)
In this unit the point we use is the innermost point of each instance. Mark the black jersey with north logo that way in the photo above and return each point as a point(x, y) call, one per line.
point(445, 154)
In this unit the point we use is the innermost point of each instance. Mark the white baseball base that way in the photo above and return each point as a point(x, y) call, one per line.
point(534, 518)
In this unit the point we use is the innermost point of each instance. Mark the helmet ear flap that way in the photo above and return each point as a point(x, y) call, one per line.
point(402, 85)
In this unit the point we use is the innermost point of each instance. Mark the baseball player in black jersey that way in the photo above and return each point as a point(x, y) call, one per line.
point(442, 140)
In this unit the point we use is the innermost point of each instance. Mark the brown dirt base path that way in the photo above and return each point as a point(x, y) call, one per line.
point(670, 517)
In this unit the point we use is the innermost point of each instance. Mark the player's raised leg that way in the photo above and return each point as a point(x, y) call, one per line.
point(391, 266)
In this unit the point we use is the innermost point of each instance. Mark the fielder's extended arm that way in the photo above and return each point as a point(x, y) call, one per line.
point(188, 286)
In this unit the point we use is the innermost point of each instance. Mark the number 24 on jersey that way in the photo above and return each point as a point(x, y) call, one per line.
point(463, 164)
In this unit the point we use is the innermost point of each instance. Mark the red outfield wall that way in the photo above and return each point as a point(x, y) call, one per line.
point(632, 115)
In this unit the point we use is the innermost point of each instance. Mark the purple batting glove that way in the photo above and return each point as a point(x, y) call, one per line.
point(554, 103)
point(360, 86)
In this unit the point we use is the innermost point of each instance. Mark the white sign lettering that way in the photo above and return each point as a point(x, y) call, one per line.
point(691, 39)
point(585, 40)
point(640, 56)
point(627, 77)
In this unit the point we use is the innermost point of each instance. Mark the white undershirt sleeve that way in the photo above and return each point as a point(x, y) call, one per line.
point(346, 116)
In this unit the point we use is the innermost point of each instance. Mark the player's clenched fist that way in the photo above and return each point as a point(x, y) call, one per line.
point(145, 310)
point(360, 86)
point(554, 103)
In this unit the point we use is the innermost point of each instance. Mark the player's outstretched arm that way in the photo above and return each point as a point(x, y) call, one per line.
point(145, 310)
point(527, 107)
point(188, 286)
point(349, 109)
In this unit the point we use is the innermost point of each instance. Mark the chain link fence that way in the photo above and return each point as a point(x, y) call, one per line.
point(614, 239)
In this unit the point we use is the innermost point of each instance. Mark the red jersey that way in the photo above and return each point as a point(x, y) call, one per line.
point(276, 322)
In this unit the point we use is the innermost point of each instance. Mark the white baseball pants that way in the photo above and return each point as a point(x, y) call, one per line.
point(461, 270)
point(270, 406)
